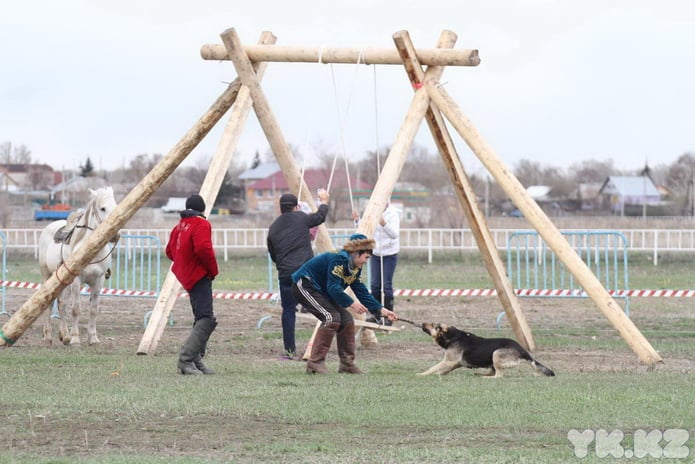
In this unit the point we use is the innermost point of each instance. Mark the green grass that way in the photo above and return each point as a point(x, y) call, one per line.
point(249, 272)
point(265, 411)
point(106, 405)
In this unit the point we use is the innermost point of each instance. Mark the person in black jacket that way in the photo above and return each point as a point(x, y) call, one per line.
point(289, 245)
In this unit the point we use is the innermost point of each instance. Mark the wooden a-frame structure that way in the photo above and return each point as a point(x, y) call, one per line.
point(430, 101)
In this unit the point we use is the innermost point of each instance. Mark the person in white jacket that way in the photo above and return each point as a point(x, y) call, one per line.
point(385, 257)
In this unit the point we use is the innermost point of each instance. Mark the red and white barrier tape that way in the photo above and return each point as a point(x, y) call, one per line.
point(398, 292)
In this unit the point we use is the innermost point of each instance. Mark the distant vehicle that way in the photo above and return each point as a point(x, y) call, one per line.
point(52, 212)
point(174, 205)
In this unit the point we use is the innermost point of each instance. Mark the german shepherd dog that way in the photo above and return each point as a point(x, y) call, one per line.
point(464, 349)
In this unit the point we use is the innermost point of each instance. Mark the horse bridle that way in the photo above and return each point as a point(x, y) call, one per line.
point(88, 227)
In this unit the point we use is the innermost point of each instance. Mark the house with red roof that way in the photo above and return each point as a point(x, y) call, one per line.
point(263, 194)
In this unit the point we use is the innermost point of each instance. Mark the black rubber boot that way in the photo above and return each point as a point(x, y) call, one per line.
point(388, 304)
point(194, 346)
point(208, 326)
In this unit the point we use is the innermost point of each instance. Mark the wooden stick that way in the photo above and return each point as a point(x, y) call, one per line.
point(310, 343)
point(209, 190)
point(466, 194)
point(546, 229)
point(367, 55)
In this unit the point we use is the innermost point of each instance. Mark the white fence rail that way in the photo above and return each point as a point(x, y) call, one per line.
point(654, 241)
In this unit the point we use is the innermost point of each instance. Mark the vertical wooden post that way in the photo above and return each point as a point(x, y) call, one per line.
point(536, 217)
point(64, 275)
point(467, 197)
point(271, 128)
point(208, 190)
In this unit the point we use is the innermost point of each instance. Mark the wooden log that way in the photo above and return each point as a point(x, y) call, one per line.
point(367, 55)
point(209, 190)
point(546, 229)
point(271, 128)
point(64, 275)
point(466, 194)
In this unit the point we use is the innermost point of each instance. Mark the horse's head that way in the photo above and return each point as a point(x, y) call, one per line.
point(103, 202)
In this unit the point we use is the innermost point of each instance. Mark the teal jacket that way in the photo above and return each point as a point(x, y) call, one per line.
point(330, 274)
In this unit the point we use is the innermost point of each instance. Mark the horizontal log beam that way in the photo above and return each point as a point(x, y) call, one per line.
point(367, 55)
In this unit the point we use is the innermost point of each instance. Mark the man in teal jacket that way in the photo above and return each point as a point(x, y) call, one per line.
point(319, 285)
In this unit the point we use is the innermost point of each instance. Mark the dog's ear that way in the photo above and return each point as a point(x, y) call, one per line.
point(443, 327)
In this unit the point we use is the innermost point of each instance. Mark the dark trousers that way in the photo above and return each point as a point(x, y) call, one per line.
point(201, 300)
point(330, 314)
point(388, 264)
point(289, 309)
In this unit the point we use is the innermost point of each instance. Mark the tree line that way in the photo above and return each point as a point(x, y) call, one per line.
point(422, 166)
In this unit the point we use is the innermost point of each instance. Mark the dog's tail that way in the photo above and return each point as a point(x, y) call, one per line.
point(542, 369)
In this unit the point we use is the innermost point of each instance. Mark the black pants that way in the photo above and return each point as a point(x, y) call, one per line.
point(201, 300)
point(330, 314)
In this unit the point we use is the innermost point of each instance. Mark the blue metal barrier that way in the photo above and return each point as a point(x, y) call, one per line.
point(532, 265)
point(136, 265)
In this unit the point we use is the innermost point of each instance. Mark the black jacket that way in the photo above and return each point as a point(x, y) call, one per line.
point(289, 242)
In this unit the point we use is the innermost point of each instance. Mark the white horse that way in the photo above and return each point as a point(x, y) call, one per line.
point(54, 251)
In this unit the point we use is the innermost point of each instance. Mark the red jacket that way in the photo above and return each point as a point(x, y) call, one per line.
point(190, 248)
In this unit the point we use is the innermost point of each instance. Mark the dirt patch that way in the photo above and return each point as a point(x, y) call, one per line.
point(555, 324)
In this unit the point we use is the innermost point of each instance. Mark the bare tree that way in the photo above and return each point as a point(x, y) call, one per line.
point(22, 155)
point(592, 170)
point(680, 173)
point(6, 152)
point(14, 155)
point(529, 172)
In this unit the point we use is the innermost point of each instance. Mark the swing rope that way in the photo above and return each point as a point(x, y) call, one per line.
point(341, 128)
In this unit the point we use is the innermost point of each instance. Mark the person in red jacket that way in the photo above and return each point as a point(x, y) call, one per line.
point(195, 266)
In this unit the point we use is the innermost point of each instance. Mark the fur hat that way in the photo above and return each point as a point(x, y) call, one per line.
point(196, 203)
point(359, 242)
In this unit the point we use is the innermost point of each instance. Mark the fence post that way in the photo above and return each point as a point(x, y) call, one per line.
point(429, 247)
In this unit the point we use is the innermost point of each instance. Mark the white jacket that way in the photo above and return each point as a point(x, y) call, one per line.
point(387, 236)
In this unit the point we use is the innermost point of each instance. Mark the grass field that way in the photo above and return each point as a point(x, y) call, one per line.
point(250, 272)
point(104, 404)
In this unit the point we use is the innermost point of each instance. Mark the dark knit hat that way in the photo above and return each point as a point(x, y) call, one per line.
point(196, 203)
point(359, 242)
point(288, 202)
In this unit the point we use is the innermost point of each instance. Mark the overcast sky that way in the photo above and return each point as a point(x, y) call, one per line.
point(559, 82)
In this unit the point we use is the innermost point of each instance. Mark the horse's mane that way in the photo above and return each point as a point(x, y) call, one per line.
point(84, 221)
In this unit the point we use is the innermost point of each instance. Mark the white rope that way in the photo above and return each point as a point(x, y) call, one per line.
point(376, 125)
point(341, 130)
point(341, 119)
point(301, 180)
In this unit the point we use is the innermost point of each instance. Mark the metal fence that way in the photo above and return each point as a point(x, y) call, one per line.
point(532, 265)
point(430, 241)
